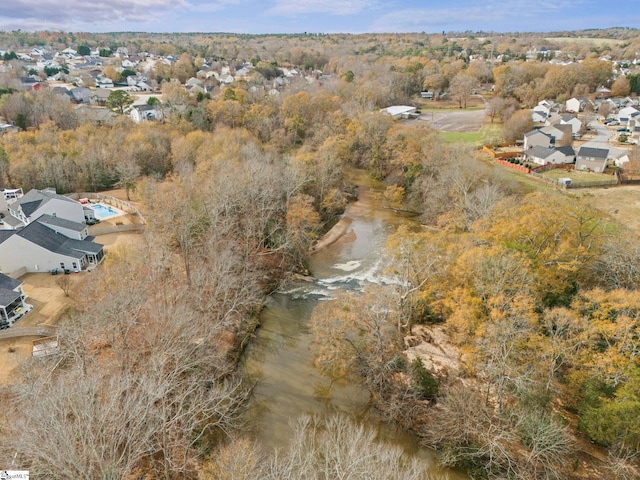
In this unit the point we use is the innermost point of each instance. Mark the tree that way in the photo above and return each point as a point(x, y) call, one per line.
point(461, 87)
point(517, 125)
point(494, 107)
point(621, 87)
point(604, 109)
point(84, 50)
point(110, 72)
point(118, 100)
point(358, 337)
point(340, 448)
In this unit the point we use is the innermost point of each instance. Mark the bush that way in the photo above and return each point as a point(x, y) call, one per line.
point(424, 384)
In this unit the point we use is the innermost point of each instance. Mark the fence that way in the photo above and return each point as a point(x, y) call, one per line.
point(492, 150)
point(552, 181)
point(520, 168)
point(38, 331)
point(113, 201)
point(101, 229)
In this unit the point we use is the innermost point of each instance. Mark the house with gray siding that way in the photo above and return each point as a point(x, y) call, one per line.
point(536, 138)
point(544, 156)
point(43, 245)
point(35, 203)
point(593, 159)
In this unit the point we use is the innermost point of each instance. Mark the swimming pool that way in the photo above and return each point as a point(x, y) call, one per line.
point(102, 212)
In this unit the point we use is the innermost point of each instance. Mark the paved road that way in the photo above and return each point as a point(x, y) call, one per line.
point(602, 138)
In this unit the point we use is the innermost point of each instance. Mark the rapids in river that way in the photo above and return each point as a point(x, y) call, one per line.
point(279, 360)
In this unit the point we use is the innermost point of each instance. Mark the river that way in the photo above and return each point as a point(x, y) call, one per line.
point(279, 359)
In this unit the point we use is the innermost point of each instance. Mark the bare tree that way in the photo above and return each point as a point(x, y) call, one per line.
point(461, 87)
point(340, 448)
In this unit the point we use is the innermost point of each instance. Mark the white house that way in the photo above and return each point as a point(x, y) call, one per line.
point(12, 301)
point(41, 246)
point(626, 113)
point(575, 122)
point(573, 105)
point(556, 156)
point(35, 203)
point(141, 113)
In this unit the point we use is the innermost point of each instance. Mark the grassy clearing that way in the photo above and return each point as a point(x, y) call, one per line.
point(577, 176)
point(488, 134)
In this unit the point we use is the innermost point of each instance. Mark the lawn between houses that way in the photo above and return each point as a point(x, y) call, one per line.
point(576, 176)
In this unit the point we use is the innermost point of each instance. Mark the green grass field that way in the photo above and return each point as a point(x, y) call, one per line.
point(488, 134)
point(577, 176)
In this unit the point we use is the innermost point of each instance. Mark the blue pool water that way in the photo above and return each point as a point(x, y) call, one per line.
point(103, 212)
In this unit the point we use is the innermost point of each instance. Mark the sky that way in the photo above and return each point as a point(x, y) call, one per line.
point(316, 16)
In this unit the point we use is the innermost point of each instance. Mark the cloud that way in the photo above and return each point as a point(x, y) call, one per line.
point(71, 14)
point(292, 8)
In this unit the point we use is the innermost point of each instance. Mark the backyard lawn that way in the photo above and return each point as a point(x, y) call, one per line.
point(577, 176)
point(488, 134)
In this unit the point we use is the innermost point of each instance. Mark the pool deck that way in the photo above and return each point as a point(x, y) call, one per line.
point(117, 211)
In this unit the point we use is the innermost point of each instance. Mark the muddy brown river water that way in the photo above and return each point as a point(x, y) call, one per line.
point(279, 359)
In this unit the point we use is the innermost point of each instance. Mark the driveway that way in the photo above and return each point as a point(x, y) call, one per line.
point(602, 138)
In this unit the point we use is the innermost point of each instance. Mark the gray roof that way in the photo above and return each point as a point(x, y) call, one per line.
point(8, 296)
point(567, 150)
point(12, 221)
point(540, 152)
point(593, 152)
point(43, 236)
point(29, 207)
point(533, 132)
point(4, 234)
point(83, 246)
point(8, 282)
point(34, 199)
point(61, 222)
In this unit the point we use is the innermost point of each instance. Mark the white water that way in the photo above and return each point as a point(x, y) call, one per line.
point(279, 360)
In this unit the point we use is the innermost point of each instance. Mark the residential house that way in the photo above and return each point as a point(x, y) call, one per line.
point(542, 111)
point(100, 116)
point(104, 82)
point(575, 122)
point(561, 134)
point(81, 94)
point(99, 97)
point(40, 202)
point(593, 159)
point(43, 245)
point(536, 138)
point(627, 113)
point(574, 105)
point(538, 116)
point(141, 113)
point(78, 231)
point(556, 156)
point(12, 301)
point(603, 92)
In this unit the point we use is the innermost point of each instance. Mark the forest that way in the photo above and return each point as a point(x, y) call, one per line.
point(535, 290)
